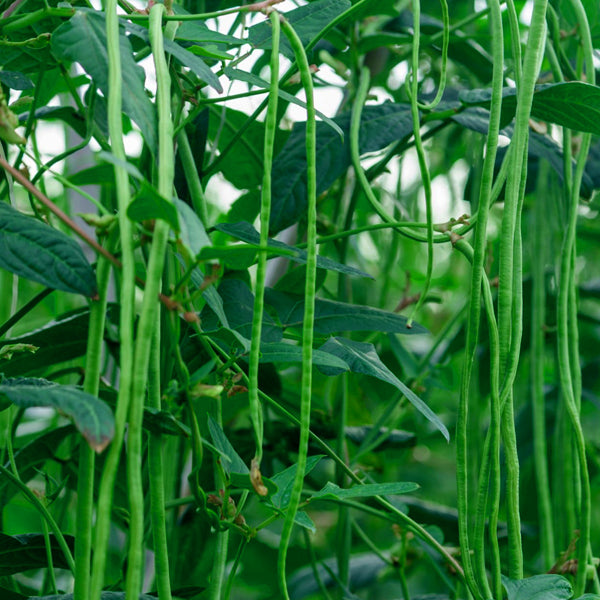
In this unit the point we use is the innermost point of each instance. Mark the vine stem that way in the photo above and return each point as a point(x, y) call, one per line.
point(309, 300)
point(87, 457)
point(149, 312)
point(265, 215)
point(510, 285)
point(127, 312)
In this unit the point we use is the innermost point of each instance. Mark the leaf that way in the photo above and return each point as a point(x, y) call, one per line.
point(233, 463)
point(257, 81)
point(380, 126)
point(238, 305)
point(198, 31)
point(362, 358)
point(285, 481)
point(243, 482)
point(191, 231)
point(36, 251)
point(572, 104)
point(334, 492)
point(283, 352)
point(57, 342)
point(16, 80)
point(332, 316)
point(6, 594)
point(32, 456)
point(245, 232)
point(187, 59)
point(20, 553)
point(538, 587)
point(392, 438)
point(149, 204)
point(66, 114)
point(82, 39)
point(91, 416)
point(307, 21)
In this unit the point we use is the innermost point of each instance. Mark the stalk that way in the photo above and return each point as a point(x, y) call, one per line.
point(126, 301)
point(309, 300)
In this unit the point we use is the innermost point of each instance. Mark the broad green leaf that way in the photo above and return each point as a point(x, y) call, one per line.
point(16, 80)
point(211, 52)
point(191, 230)
point(245, 232)
point(285, 481)
point(198, 31)
point(20, 553)
point(110, 158)
point(82, 39)
point(238, 305)
point(243, 164)
point(380, 126)
point(573, 104)
point(362, 358)
point(96, 175)
point(187, 59)
point(36, 251)
point(332, 316)
point(91, 416)
point(302, 519)
point(31, 457)
point(333, 491)
point(149, 204)
point(57, 342)
point(283, 352)
point(232, 462)
point(307, 21)
point(257, 81)
point(538, 587)
point(66, 114)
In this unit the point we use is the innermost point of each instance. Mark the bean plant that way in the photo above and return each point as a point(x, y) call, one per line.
point(299, 299)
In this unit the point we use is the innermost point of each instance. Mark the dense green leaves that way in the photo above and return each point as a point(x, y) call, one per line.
point(538, 587)
point(82, 39)
point(91, 416)
point(333, 492)
point(380, 126)
point(36, 251)
point(362, 358)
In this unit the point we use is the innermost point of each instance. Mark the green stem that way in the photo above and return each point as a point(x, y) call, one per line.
point(85, 472)
point(191, 176)
point(309, 300)
point(127, 314)
point(156, 476)
point(45, 513)
point(476, 580)
point(149, 313)
point(265, 216)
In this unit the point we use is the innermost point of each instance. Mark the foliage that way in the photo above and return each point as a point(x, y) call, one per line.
point(299, 300)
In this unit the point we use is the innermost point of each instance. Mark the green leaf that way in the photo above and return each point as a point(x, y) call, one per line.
point(57, 342)
point(332, 316)
point(66, 114)
point(32, 457)
point(283, 352)
point(573, 104)
point(362, 358)
point(245, 232)
point(20, 553)
point(36, 251)
point(91, 416)
point(238, 305)
point(191, 230)
point(16, 80)
point(232, 462)
point(149, 204)
point(198, 31)
point(390, 438)
point(333, 491)
point(187, 59)
point(285, 481)
point(380, 126)
point(538, 587)
point(82, 39)
point(307, 21)
point(257, 81)
point(242, 481)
